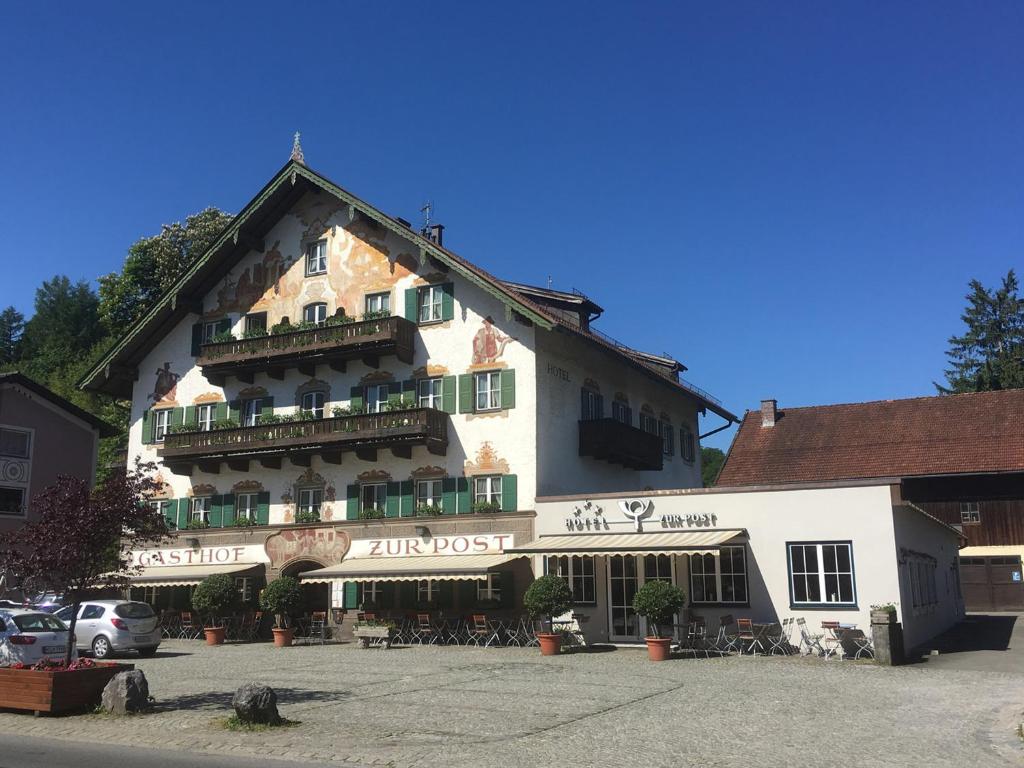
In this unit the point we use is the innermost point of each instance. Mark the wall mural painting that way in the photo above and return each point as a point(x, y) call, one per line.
point(325, 544)
point(487, 462)
point(166, 384)
point(263, 281)
point(489, 343)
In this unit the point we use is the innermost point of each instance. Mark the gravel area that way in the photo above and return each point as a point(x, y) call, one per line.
point(502, 707)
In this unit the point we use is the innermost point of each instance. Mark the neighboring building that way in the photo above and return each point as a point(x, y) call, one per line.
point(42, 436)
point(324, 377)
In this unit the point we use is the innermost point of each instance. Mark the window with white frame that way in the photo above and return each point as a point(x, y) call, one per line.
point(592, 406)
point(244, 586)
point(821, 573)
point(371, 593)
point(373, 496)
point(376, 398)
point(205, 415)
point(315, 313)
point(246, 506)
point(687, 445)
point(703, 578)
point(313, 402)
point(162, 507)
point(250, 413)
point(732, 574)
point(255, 321)
point(969, 512)
point(200, 509)
point(428, 493)
point(488, 391)
point(487, 490)
point(149, 595)
point(316, 258)
point(430, 303)
point(489, 589)
point(161, 423)
point(310, 500)
point(621, 412)
point(429, 393)
point(14, 443)
point(648, 423)
point(209, 331)
point(668, 445)
point(578, 572)
point(427, 590)
point(378, 303)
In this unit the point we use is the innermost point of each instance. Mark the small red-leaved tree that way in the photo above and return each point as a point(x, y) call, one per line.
point(83, 539)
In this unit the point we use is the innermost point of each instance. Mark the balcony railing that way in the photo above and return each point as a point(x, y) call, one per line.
point(613, 441)
point(362, 433)
point(367, 339)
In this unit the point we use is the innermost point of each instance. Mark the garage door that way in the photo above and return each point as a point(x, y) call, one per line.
point(992, 583)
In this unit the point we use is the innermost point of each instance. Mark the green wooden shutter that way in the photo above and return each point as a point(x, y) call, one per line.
point(235, 411)
point(183, 513)
point(448, 301)
point(448, 491)
point(263, 508)
point(394, 392)
point(224, 326)
point(217, 511)
point(147, 427)
point(448, 387)
point(266, 407)
point(466, 393)
point(412, 310)
point(197, 338)
point(177, 417)
point(220, 413)
point(408, 505)
point(464, 500)
point(507, 586)
point(509, 492)
point(508, 389)
point(355, 397)
point(171, 514)
point(392, 499)
point(352, 502)
point(409, 392)
point(351, 599)
point(228, 510)
point(190, 415)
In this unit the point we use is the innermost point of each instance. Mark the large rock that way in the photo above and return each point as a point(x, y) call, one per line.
point(255, 703)
point(126, 693)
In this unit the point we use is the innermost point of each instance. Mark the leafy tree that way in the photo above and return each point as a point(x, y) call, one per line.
point(548, 596)
point(711, 461)
point(658, 602)
point(153, 264)
point(282, 597)
point(215, 596)
point(990, 355)
point(82, 539)
point(12, 324)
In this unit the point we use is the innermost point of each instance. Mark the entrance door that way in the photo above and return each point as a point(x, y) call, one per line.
point(626, 574)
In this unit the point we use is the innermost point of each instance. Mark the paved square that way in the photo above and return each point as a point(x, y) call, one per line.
point(509, 707)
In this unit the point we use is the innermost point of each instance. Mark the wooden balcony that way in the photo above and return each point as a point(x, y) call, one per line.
point(366, 340)
point(328, 438)
point(611, 440)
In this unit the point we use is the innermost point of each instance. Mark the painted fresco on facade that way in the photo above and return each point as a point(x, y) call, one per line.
point(165, 385)
point(489, 343)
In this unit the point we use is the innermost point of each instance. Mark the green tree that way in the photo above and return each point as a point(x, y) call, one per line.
point(64, 324)
point(711, 460)
point(153, 264)
point(990, 355)
point(12, 324)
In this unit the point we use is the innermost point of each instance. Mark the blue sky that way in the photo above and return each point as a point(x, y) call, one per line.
point(788, 197)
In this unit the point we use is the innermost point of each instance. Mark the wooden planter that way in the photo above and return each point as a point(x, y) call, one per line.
point(56, 692)
point(367, 636)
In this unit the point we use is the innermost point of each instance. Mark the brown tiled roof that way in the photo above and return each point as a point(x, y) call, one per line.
point(951, 434)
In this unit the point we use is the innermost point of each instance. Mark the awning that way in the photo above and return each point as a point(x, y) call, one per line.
point(993, 551)
point(185, 575)
point(439, 568)
point(660, 543)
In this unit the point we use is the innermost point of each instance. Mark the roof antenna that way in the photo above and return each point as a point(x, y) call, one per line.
point(549, 282)
point(297, 155)
point(427, 210)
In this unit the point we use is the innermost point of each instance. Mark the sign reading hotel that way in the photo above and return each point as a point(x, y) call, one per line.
point(431, 546)
point(227, 555)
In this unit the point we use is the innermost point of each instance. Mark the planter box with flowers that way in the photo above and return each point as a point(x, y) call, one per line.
point(50, 687)
point(369, 633)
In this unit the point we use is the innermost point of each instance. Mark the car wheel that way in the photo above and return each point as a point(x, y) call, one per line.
point(148, 652)
point(101, 647)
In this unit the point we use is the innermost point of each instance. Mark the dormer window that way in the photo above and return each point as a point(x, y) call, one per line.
point(316, 258)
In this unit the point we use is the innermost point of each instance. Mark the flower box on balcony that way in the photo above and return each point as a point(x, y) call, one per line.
point(55, 691)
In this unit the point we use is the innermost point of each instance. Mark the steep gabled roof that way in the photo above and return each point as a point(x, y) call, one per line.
point(21, 380)
point(947, 435)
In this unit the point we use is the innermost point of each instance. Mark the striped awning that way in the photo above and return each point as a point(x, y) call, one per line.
point(186, 575)
point(435, 568)
point(659, 543)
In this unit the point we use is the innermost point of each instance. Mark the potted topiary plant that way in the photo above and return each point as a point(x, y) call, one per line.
point(282, 597)
point(658, 601)
point(547, 597)
point(215, 596)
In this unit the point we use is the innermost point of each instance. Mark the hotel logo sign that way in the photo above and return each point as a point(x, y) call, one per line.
point(637, 510)
point(587, 517)
point(700, 520)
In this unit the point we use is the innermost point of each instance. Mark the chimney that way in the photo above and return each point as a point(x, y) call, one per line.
point(768, 411)
point(436, 233)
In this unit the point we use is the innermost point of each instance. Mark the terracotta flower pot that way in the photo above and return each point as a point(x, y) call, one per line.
point(214, 635)
point(283, 637)
point(659, 648)
point(550, 643)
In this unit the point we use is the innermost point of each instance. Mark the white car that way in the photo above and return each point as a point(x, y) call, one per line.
point(28, 637)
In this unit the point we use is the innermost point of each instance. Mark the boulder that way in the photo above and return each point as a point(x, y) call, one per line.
point(255, 703)
point(126, 693)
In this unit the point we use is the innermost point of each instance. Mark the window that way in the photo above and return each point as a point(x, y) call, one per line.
point(12, 501)
point(703, 581)
point(621, 412)
point(686, 443)
point(578, 572)
point(668, 445)
point(315, 313)
point(969, 512)
point(821, 574)
point(149, 595)
point(200, 510)
point(429, 392)
point(427, 590)
point(489, 589)
point(204, 417)
point(310, 500)
point(251, 410)
point(244, 586)
point(720, 578)
point(428, 493)
point(161, 422)
point(316, 258)
point(372, 592)
point(313, 402)
point(209, 331)
point(592, 406)
point(257, 321)
point(376, 398)
point(14, 442)
point(648, 424)
point(488, 391)
point(487, 490)
point(373, 496)
point(430, 303)
point(378, 303)
point(162, 507)
point(246, 506)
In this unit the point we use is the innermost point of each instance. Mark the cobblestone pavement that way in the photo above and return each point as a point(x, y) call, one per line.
point(509, 707)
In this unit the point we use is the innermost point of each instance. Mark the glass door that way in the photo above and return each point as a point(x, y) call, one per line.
point(622, 577)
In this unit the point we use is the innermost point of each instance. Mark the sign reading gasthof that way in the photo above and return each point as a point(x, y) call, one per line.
point(431, 546)
point(227, 555)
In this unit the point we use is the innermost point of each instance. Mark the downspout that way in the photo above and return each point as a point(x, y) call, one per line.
point(727, 424)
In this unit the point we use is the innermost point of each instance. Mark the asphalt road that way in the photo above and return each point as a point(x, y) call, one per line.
point(30, 752)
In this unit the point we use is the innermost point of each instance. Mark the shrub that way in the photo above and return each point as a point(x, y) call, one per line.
point(282, 597)
point(486, 506)
point(255, 333)
point(215, 596)
point(194, 525)
point(222, 337)
point(371, 514)
point(307, 517)
point(428, 510)
point(658, 601)
point(547, 597)
point(243, 522)
point(282, 328)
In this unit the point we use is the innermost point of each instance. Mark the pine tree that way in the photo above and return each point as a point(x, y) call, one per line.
point(12, 323)
point(990, 355)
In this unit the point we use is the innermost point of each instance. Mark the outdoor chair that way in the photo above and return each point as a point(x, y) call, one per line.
point(404, 631)
point(696, 639)
point(781, 641)
point(727, 640)
point(856, 644)
point(830, 639)
point(423, 631)
point(747, 635)
point(188, 629)
point(317, 628)
point(808, 640)
point(482, 631)
point(169, 625)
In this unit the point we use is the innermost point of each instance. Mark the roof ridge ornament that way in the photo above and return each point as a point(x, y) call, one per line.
point(297, 155)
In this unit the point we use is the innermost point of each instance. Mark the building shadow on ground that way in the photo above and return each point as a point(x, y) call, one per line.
point(977, 632)
point(221, 700)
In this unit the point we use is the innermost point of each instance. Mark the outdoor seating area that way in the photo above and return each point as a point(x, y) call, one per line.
point(188, 625)
point(478, 629)
point(747, 637)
